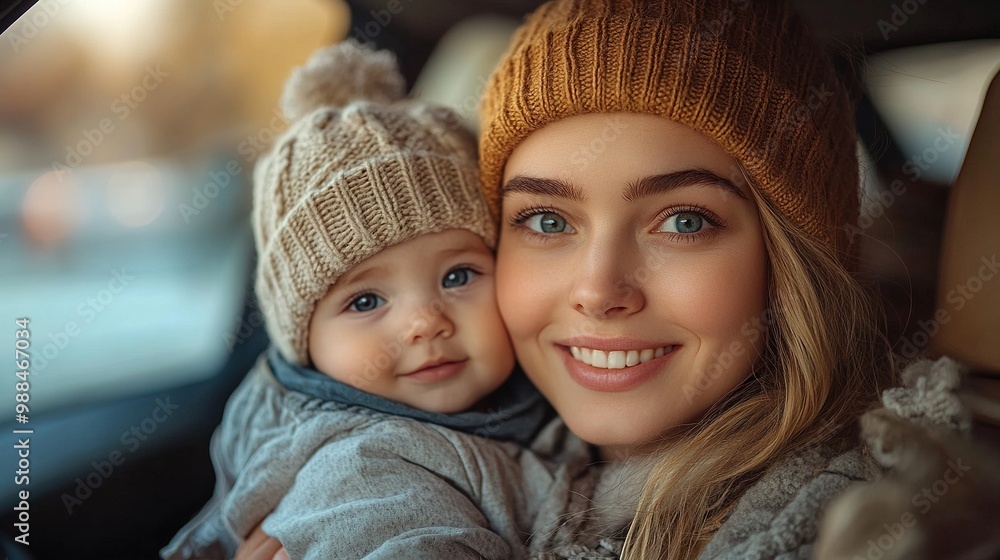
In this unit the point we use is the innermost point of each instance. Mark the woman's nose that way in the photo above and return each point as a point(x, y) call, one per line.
point(607, 286)
point(429, 322)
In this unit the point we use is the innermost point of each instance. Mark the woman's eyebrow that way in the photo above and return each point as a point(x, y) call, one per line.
point(542, 187)
point(657, 184)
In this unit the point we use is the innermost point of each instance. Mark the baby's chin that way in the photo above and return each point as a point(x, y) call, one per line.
point(468, 397)
point(450, 402)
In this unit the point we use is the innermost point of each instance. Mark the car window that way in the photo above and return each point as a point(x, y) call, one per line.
point(128, 132)
point(929, 98)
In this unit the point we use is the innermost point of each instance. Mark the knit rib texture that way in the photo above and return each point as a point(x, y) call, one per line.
point(748, 74)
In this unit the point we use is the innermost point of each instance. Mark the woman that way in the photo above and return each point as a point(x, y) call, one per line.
point(677, 175)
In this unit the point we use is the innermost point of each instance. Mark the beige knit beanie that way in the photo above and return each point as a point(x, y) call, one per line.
point(359, 169)
point(747, 73)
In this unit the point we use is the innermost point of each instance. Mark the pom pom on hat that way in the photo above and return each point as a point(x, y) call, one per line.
point(339, 74)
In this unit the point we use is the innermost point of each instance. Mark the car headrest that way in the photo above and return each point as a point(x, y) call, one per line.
point(968, 296)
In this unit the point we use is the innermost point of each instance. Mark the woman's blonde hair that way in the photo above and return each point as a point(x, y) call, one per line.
point(825, 362)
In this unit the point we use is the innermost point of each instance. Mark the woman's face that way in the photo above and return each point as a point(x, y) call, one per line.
point(631, 273)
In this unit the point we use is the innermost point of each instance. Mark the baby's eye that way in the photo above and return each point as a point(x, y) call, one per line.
point(366, 302)
point(683, 222)
point(547, 222)
point(458, 277)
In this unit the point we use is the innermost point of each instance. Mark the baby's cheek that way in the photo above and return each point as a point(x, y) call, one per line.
point(355, 360)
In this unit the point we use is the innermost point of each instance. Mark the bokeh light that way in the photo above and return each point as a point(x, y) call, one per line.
point(52, 210)
point(136, 193)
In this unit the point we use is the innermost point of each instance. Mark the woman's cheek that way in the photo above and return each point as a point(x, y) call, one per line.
point(725, 298)
point(523, 287)
point(509, 282)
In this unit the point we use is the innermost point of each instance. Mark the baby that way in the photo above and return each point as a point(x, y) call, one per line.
point(358, 433)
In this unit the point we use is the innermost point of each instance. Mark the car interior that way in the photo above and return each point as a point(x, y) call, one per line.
point(128, 134)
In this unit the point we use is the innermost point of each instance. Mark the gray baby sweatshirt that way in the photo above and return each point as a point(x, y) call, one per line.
point(336, 480)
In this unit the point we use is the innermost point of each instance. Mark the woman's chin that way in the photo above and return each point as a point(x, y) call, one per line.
point(620, 439)
point(624, 428)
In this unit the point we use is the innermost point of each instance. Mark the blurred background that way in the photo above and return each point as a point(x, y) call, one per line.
point(128, 134)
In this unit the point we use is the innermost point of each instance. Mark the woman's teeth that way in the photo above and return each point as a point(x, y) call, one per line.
point(617, 359)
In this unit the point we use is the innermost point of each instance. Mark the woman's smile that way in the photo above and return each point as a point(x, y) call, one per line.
point(618, 359)
point(616, 370)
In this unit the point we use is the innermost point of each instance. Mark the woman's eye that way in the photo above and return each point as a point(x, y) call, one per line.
point(366, 302)
point(548, 222)
point(684, 222)
point(458, 277)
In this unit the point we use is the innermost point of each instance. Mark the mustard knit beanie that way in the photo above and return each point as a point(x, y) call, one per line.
point(359, 169)
point(746, 73)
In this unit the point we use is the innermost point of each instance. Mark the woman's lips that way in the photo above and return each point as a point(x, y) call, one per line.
point(436, 373)
point(609, 377)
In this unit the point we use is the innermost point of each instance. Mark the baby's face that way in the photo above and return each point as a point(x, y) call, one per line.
point(417, 324)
